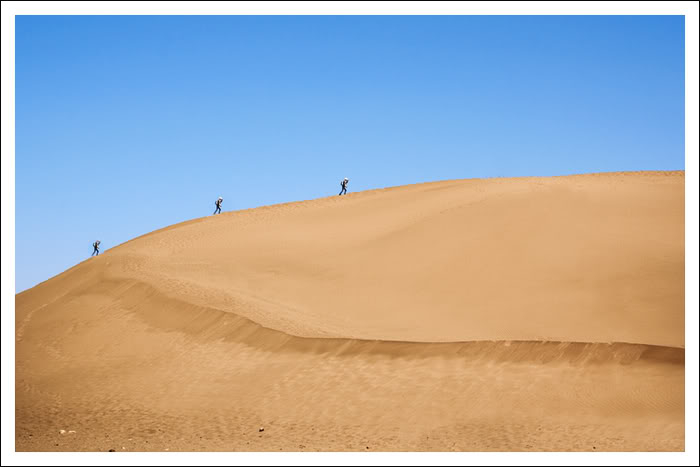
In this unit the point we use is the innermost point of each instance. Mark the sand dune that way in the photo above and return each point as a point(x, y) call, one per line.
point(496, 314)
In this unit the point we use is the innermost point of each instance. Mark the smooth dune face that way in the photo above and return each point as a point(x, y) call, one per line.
point(583, 258)
point(358, 322)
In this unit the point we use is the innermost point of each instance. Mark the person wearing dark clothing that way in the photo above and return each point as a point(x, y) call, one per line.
point(218, 205)
point(96, 247)
point(344, 187)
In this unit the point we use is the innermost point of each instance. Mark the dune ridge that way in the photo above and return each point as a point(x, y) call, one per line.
point(537, 313)
point(582, 258)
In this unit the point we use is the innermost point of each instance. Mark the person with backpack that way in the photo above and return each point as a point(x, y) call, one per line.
point(218, 205)
point(96, 247)
point(344, 186)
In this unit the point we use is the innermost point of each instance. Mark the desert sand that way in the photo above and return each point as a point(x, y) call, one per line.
point(522, 314)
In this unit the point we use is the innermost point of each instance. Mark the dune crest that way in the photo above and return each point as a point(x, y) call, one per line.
point(588, 258)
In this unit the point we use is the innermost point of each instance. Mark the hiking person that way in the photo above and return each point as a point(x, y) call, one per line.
point(96, 247)
point(344, 186)
point(218, 205)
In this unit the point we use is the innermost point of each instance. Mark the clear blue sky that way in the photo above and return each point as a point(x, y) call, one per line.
point(125, 124)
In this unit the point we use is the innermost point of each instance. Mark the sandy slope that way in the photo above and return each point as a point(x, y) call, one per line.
point(458, 315)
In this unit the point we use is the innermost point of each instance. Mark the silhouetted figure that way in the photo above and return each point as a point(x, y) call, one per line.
point(344, 187)
point(96, 247)
point(218, 205)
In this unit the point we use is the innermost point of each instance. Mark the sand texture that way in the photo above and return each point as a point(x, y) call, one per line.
point(522, 314)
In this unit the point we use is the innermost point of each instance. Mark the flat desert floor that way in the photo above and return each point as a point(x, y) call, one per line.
point(523, 314)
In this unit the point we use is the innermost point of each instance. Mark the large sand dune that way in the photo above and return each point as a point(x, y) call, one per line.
point(496, 314)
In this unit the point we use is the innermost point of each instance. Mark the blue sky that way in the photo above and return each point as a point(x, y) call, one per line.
point(125, 124)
